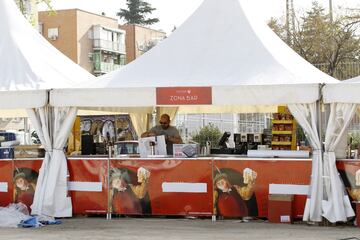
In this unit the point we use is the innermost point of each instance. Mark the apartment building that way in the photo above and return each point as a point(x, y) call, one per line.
point(140, 39)
point(93, 41)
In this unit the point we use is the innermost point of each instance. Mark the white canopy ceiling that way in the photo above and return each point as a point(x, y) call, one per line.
point(343, 92)
point(222, 45)
point(29, 64)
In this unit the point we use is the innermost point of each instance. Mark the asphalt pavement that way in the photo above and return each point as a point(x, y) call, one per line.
point(180, 228)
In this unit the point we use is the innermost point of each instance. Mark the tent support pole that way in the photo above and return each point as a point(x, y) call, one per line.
point(109, 212)
point(319, 104)
point(154, 115)
point(26, 131)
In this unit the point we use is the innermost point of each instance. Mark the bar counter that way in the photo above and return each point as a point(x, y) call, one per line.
point(176, 186)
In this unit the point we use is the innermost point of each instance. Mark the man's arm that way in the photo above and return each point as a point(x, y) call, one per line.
point(140, 190)
point(216, 195)
point(149, 133)
point(246, 192)
point(175, 139)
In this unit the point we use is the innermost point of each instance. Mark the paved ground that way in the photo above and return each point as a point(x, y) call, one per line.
point(163, 228)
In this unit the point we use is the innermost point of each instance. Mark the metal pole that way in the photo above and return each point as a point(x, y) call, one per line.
point(108, 215)
point(203, 120)
point(26, 131)
point(318, 107)
point(213, 216)
point(319, 113)
point(236, 122)
point(322, 148)
point(331, 10)
point(154, 114)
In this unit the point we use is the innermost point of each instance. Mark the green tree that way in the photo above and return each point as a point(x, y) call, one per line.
point(22, 4)
point(209, 133)
point(136, 13)
point(278, 28)
point(323, 42)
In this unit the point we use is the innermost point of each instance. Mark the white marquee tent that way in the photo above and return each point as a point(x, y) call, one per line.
point(344, 102)
point(344, 92)
point(30, 66)
point(224, 46)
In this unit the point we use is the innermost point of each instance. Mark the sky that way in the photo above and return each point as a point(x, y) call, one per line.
point(174, 12)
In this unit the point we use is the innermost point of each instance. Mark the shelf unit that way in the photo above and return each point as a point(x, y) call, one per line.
point(283, 130)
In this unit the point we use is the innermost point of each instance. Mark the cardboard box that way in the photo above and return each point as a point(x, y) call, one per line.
point(6, 153)
point(185, 150)
point(29, 151)
point(8, 136)
point(280, 208)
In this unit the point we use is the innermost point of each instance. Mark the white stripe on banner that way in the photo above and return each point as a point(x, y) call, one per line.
point(288, 189)
point(85, 186)
point(184, 187)
point(3, 187)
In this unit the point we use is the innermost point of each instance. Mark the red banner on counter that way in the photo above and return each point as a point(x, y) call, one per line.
point(25, 175)
point(231, 188)
point(6, 182)
point(161, 187)
point(350, 173)
point(88, 185)
point(241, 187)
point(183, 95)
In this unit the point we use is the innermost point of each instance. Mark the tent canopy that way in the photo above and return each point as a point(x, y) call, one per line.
point(343, 92)
point(222, 45)
point(30, 65)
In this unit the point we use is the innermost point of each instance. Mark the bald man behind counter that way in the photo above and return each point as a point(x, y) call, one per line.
point(172, 135)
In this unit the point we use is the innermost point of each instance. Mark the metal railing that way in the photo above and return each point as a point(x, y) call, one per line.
point(109, 45)
point(189, 124)
point(343, 71)
point(103, 67)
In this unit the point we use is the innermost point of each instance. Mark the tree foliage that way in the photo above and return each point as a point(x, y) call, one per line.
point(136, 13)
point(321, 41)
point(27, 12)
point(209, 133)
point(22, 4)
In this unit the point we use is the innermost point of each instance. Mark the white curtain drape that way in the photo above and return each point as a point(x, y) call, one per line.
point(306, 115)
point(53, 126)
point(140, 122)
point(336, 203)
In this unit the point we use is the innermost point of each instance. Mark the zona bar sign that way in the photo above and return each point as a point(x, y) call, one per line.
point(183, 96)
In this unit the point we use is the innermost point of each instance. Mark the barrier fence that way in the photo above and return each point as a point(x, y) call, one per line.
point(226, 187)
point(181, 187)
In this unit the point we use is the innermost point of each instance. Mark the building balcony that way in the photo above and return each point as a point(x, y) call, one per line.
point(103, 67)
point(100, 44)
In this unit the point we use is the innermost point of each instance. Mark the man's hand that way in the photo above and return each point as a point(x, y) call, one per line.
point(168, 139)
point(173, 139)
point(148, 134)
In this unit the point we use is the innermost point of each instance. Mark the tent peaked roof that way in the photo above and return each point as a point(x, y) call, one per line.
point(224, 46)
point(346, 91)
point(30, 64)
point(352, 80)
point(218, 45)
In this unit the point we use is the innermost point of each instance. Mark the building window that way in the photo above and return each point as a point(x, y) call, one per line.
point(53, 33)
point(41, 28)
